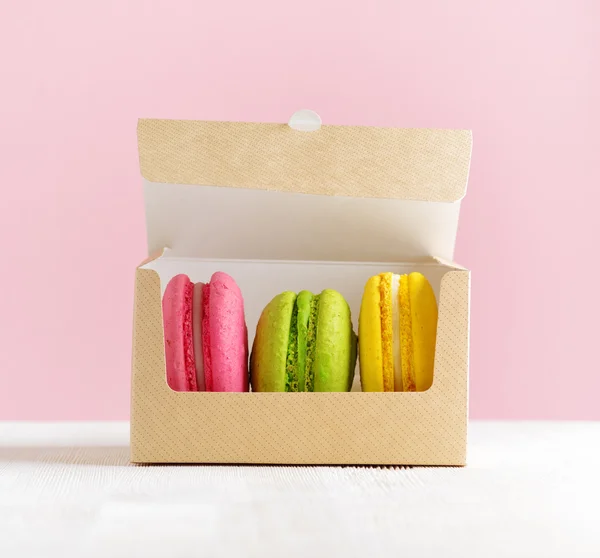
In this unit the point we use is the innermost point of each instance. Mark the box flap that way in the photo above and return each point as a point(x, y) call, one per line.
point(355, 161)
point(272, 191)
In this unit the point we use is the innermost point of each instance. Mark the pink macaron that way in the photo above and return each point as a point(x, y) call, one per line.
point(206, 339)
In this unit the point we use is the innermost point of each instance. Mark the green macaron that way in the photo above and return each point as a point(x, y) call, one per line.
point(304, 342)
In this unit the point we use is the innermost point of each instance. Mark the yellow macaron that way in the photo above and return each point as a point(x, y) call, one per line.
point(396, 331)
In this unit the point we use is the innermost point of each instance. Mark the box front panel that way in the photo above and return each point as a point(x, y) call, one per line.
point(426, 428)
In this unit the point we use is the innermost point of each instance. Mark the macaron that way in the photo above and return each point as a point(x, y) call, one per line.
point(397, 333)
point(206, 339)
point(304, 342)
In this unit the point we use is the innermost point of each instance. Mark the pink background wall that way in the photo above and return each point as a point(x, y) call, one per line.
point(523, 75)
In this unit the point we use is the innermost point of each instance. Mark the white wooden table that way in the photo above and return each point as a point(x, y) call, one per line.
point(531, 489)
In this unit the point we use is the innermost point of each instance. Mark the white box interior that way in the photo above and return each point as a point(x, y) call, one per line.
point(237, 223)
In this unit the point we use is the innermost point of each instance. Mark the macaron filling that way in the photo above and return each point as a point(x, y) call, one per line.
point(205, 335)
point(311, 344)
point(299, 375)
point(303, 301)
point(197, 333)
point(291, 363)
point(406, 336)
point(396, 332)
point(387, 331)
point(188, 344)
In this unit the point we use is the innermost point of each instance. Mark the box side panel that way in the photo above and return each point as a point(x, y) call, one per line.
point(148, 382)
point(451, 372)
point(359, 428)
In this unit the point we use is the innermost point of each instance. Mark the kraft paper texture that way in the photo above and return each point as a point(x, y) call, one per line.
point(357, 161)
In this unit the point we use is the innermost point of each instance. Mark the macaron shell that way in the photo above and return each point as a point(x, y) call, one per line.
point(369, 337)
point(334, 365)
point(269, 351)
point(227, 336)
point(424, 315)
point(177, 323)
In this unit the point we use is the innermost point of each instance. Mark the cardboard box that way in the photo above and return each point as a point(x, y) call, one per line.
point(282, 209)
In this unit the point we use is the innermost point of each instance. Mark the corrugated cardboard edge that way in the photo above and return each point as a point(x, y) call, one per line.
point(358, 161)
point(428, 428)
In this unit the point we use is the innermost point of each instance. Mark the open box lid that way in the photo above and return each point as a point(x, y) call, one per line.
point(302, 190)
